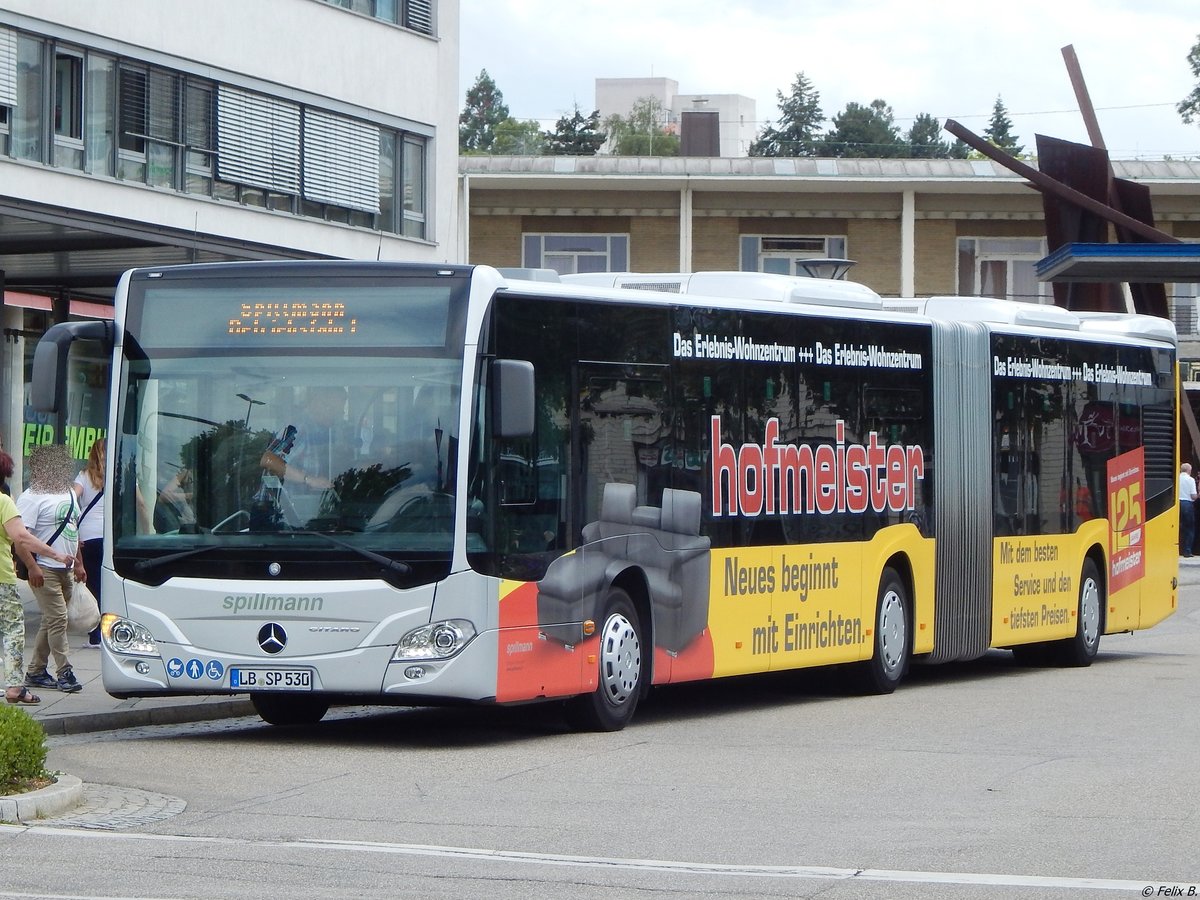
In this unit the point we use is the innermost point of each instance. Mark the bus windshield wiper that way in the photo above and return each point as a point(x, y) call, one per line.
point(394, 564)
point(145, 565)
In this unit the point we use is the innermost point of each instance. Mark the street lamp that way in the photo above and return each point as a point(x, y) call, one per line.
point(250, 404)
point(834, 269)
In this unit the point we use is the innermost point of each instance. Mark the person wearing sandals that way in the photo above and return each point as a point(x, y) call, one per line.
point(49, 509)
point(89, 488)
point(12, 613)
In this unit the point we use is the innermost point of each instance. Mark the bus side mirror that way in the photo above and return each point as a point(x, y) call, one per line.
point(50, 360)
point(512, 398)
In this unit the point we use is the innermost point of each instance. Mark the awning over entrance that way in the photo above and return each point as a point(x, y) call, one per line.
point(82, 308)
point(1143, 263)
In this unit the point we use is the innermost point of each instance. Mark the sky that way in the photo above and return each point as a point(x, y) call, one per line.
point(949, 59)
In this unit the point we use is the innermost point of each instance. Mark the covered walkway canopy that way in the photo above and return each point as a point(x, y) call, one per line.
point(1144, 263)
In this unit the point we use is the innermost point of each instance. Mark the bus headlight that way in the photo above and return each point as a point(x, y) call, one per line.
point(126, 636)
point(437, 640)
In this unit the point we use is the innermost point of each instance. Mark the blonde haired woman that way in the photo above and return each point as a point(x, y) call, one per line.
point(89, 488)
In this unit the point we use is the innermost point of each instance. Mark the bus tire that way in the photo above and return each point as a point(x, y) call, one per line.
point(1082, 648)
point(893, 637)
point(622, 662)
point(289, 709)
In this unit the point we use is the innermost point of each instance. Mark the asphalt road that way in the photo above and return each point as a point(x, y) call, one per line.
point(978, 780)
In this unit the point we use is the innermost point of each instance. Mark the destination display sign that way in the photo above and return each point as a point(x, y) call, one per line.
point(265, 316)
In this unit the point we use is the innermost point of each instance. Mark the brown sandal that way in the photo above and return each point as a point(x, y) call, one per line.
point(25, 697)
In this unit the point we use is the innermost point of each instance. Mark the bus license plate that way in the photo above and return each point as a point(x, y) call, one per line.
point(270, 679)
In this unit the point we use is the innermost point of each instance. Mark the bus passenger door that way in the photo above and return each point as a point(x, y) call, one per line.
point(620, 434)
point(623, 455)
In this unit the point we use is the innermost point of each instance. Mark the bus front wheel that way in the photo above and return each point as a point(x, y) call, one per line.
point(893, 637)
point(289, 709)
point(622, 658)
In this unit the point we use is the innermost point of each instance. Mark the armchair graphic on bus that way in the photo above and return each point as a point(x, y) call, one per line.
point(664, 543)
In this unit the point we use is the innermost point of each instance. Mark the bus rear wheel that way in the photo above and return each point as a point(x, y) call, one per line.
point(622, 661)
point(289, 709)
point(893, 637)
point(1081, 649)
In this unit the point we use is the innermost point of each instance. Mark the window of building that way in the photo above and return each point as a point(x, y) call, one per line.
point(99, 116)
point(199, 136)
point(568, 254)
point(1002, 267)
point(140, 123)
point(413, 181)
point(418, 15)
point(132, 122)
point(8, 82)
point(259, 140)
point(163, 118)
point(8, 73)
point(341, 161)
point(402, 168)
point(26, 125)
point(785, 255)
point(414, 14)
point(1182, 300)
point(67, 110)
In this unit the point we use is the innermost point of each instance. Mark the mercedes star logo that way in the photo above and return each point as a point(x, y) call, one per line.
point(272, 638)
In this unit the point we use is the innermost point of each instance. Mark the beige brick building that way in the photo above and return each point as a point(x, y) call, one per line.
point(914, 227)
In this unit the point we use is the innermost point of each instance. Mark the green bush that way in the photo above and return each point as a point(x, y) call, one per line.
point(22, 749)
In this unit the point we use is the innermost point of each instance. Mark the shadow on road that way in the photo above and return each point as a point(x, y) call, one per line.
point(465, 727)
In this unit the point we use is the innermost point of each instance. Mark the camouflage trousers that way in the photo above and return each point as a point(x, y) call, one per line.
point(12, 635)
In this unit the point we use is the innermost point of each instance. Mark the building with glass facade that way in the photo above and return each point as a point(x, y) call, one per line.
point(146, 133)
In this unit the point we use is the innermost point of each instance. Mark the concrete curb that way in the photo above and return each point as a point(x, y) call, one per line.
point(66, 793)
point(80, 723)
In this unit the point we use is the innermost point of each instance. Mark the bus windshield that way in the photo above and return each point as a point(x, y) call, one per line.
point(287, 418)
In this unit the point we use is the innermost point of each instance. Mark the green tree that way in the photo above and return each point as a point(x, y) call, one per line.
point(1189, 107)
point(799, 123)
point(576, 135)
point(519, 138)
point(924, 139)
point(642, 132)
point(999, 131)
point(864, 131)
point(484, 110)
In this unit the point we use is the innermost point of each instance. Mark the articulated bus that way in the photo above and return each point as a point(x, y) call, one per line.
point(383, 483)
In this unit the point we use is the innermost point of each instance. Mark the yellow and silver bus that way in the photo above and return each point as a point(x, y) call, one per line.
point(384, 483)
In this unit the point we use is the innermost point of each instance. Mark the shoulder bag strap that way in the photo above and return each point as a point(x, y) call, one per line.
point(66, 519)
point(88, 508)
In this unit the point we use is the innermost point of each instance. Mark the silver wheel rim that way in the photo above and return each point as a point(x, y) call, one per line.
point(620, 660)
point(893, 632)
point(1089, 612)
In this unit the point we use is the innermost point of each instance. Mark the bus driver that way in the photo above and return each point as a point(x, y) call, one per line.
point(308, 456)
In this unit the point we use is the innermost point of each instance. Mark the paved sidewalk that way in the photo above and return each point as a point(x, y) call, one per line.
point(93, 710)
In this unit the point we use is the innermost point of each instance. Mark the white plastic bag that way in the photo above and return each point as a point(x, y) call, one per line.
point(83, 612)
